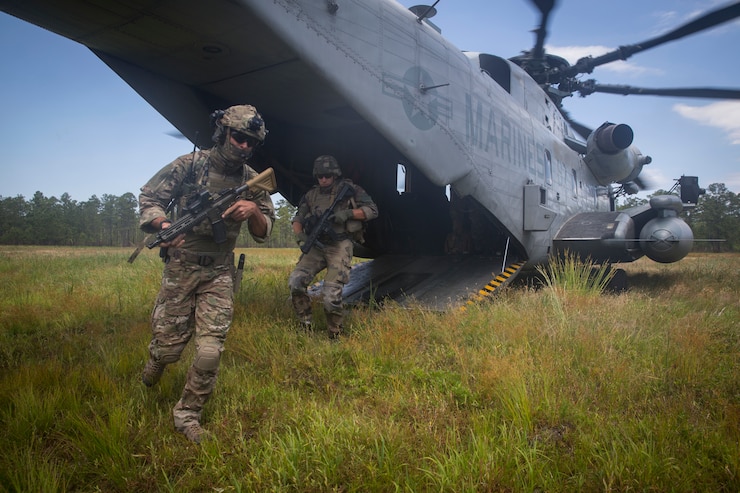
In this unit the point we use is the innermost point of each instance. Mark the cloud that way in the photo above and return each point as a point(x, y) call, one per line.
point(668, 20)
point(724, 115)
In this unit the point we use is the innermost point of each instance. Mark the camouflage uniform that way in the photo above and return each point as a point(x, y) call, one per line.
point(334, 256)
point(196, 295)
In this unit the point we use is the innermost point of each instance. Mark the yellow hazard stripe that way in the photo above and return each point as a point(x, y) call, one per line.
point(494, 284)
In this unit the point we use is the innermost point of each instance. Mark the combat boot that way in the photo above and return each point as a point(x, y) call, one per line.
point(334, 325)
point(306, 324)
point(194, 432)
point(152, 372)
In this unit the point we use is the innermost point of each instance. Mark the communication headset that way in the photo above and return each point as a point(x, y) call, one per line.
point(218, 129)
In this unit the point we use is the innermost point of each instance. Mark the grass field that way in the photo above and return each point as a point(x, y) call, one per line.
point(549, 389)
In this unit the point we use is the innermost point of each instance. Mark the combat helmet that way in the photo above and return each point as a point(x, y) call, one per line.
point(243, 118)
point(326, 165)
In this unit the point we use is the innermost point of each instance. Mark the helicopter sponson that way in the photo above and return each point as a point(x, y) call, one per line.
point(653, 229)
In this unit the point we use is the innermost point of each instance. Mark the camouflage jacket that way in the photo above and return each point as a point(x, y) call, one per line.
point(316, 201)
point(170, 189)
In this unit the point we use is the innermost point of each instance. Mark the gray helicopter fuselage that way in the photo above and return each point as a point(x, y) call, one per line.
point(500, 142)
point(382, 90)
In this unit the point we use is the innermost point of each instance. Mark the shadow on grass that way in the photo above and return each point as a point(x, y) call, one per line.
point(652, 282)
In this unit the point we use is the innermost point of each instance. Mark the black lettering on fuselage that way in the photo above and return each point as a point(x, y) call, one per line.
point(499, 135)
point(506, 139)
point(472, 124)
point(492, 139)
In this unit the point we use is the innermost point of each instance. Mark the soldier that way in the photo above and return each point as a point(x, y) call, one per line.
point(196, 296)
point(335, 251)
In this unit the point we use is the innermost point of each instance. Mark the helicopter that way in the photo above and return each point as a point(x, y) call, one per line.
point(478, 169)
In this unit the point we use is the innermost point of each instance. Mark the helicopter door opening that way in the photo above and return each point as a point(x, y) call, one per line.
point(422, 213)
point(434, 220)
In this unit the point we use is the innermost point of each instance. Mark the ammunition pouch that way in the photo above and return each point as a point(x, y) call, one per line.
point(356, 230)
point(333, 237)
point(353, 226)
point(310, 224)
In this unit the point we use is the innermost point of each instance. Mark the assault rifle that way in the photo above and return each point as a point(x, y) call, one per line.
point(323, 225)
point(204, 205)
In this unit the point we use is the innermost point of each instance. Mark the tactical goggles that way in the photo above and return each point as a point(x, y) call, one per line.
point(241, 137)
point(324, 175)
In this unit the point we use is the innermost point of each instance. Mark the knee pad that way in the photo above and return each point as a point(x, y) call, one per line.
point(297, 283)
point(169, 358)
point(332, 293)
point(166, 354)
point(208, 358)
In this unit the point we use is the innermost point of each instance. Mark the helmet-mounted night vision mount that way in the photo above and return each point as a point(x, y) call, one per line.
point(242, 118)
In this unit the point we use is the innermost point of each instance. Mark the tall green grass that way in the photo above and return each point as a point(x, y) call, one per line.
point(638, 391)
point(567, 276)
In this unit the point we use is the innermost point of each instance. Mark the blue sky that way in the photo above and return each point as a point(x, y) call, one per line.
point(69, 124)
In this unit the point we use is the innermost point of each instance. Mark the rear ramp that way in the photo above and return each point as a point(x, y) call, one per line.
point(433, 282)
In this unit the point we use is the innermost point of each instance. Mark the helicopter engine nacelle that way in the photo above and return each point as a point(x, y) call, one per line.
point(611, 156)
point(666, 238)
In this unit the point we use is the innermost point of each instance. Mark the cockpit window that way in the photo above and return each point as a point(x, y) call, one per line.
point(497, 68)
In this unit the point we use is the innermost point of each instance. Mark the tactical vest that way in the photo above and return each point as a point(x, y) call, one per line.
point(201, 177)
point(318, 203)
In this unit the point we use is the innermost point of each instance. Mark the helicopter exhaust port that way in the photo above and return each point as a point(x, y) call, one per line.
point(611, 138)
point(611, 156)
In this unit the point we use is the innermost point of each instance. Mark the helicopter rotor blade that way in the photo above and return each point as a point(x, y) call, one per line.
point(587, 64)
point(645, 182)
point(588, 87)
point(545, 7)
point(579, 128)
point(176, 134)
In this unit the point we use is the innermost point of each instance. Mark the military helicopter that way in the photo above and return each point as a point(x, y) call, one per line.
point(478, 170)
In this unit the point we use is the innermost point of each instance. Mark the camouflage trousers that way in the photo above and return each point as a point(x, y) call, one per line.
point(337, 260)
point(193, 301)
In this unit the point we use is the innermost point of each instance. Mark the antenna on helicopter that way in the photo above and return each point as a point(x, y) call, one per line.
point(424, 13)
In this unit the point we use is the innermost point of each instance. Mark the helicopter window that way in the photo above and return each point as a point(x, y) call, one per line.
point(548, 167)
point(496, 68)
point(400, 178)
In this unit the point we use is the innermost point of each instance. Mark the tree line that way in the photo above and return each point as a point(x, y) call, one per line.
point(106, 221)
point(113, 221)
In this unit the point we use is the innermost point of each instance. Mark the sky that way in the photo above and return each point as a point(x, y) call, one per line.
point(69, 124)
